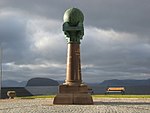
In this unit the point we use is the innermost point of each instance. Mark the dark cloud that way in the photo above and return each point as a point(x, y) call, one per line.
point(13, 38)
point(115, 55)
point(116, 42)
point(122, 15)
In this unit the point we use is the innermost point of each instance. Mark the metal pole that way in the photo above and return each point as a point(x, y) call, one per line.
point(1, 55)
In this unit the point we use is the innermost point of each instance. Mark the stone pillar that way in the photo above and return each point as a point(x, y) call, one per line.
point(73, 73)
point(73, 91)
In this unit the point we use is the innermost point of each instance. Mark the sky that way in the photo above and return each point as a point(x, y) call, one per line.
point(116, 43)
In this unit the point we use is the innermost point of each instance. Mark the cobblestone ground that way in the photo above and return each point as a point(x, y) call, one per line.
point(108, 105)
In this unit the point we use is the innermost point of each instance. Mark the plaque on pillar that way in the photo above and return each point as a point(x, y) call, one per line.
point(73, 91)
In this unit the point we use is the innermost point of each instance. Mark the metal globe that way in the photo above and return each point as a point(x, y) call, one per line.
point(73, 16)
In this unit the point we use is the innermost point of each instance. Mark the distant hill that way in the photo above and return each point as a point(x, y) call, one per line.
point(42, 82)
point(50, 82)
point(13, 83)
point(31, 82)
point(127, 82)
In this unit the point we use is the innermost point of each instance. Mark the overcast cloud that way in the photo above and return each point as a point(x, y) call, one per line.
point(116, 44)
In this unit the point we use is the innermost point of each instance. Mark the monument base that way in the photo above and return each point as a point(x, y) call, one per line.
point(73, 95)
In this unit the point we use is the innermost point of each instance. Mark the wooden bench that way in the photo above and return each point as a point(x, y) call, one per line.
point(115, 90)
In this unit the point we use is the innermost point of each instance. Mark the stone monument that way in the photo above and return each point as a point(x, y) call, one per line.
point(73, 91)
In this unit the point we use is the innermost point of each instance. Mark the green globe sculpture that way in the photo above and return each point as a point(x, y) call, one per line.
point(73, 16)
point(73, 25)
point(73, 90)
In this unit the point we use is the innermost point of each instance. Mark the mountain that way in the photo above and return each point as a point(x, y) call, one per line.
point(128, 82)
point(13, 83)
point(50, 82)
point(31, 82)
point(42, 82)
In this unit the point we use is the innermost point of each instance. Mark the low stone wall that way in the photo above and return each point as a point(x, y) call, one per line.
point(30, 91)
point(20, 91)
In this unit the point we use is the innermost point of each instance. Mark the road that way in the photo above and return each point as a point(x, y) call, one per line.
point(104, 105)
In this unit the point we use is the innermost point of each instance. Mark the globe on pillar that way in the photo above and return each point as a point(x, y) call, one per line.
point(73, 91)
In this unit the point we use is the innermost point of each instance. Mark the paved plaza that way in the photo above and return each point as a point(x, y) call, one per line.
point(104, 105)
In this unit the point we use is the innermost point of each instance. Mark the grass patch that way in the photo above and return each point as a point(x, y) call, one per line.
point(39, 96)
point(94, 96)
point(121, 96)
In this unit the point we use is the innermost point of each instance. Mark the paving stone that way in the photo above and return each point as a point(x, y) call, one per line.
point(107, 105)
